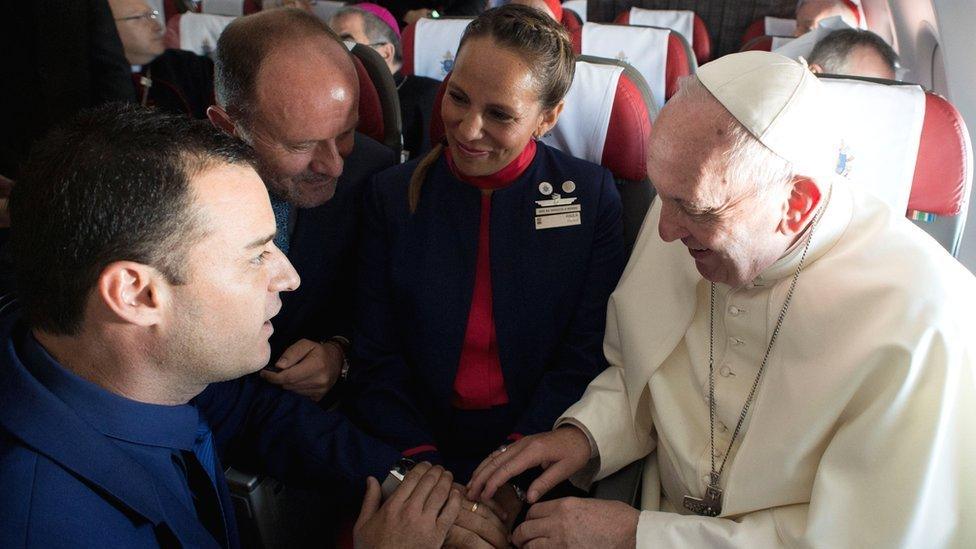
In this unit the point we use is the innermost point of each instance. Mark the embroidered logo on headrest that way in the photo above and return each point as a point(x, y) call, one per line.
point(447, 63)
point(844, 160)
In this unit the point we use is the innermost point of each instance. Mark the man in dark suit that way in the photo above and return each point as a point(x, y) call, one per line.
point(287, 86)
point(361, 24)
point(173, 81)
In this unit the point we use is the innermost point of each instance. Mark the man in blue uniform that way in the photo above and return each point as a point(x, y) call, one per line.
point(287, 87)
point(144, 251)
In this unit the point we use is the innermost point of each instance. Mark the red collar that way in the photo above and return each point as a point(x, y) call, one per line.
point(503, 177)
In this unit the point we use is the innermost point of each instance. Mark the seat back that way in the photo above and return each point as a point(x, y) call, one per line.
point(379, 104)
point(325, 9)
point(196, 32)
point(571, 20)
point(908, 146)
point(430, 45)
point(686, 23)
point(235, 8)
point(578, 7)
point(766, 43)
point(607, 120)
point(662, 56)
point(768, 26)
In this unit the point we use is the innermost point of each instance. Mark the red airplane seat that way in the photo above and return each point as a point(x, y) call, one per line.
point(429, 46)
point(379, 104)
point(687, 23)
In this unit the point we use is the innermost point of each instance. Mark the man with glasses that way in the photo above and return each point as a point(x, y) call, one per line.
point(375, 26)
point(175, 81)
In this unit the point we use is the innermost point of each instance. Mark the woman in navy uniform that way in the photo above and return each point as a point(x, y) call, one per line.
point(487, 264)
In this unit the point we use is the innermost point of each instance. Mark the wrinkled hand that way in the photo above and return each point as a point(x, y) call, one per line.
point(418, 514)
point(6, 185)
point(484, 525)
point(561, 453)
point(308, 368)
point(577, 522)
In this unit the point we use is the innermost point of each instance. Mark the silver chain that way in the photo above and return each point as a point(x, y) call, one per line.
point(715, 476)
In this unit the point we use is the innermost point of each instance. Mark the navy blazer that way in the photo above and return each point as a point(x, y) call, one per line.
point(323, 249)
point(550, 289)
point(66, 484)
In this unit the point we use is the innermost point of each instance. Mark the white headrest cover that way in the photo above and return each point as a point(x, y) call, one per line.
point(324, 9)
point(880, 128)
point(582, 127)
point(199, 31)
point(781, 103)
point(577, 6)
point(680, 21)
point(643, 48)
point(223, 7)
point(776, 26)
point(435, 46)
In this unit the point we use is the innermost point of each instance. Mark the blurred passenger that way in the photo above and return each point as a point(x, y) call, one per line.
point(287, 87)
point(374, 26)
point(854, 52)
point(809, 14)
point(143, 244)
point(170, 80)
point(488, 263)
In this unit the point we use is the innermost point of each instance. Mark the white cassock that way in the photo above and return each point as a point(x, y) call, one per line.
point(863, 430)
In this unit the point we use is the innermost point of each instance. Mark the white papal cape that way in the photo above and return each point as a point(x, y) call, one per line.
point(863, 432)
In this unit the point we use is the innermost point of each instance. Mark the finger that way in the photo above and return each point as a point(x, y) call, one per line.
point(481, 466)
point(310, 369)
point(544, 509)
point(539, 543)
point(556, 473)
point(423, 489)
point(295, 353)
point(486, 526)
point(477, 488)
point(449, 513)
point(510, 466)
point(530, 530)
point(410, 480)
point(439, 494)
point(371, 501)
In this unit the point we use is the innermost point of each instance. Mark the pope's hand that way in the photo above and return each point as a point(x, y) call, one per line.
point(307, 368)
point(561, 453)
point(576, 522)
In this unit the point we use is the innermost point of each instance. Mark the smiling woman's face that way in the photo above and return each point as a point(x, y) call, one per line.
point(491, 108)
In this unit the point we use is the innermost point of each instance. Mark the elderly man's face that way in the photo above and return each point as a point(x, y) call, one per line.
point(810, 13)
point(140, 32)
point(220, 320)
point(304, 121)
point(350, 27)
point(729, 229)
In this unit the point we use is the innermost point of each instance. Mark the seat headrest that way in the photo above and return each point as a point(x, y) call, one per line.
point(766, 43)
point(196, 32)
point(324, 9)
point(907, 145)
point(370, 107)
point(578, 7)
point(659, 54)
point(234, 8)
point(430, 45)
point(767, 26)
point(606, 118)
point(571, 21)
point(685, 22)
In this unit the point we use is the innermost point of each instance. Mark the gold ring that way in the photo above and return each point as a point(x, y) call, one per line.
point(503, 449)
point(474, 507)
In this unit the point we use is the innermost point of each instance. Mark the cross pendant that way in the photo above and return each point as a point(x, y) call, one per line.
point(708, 506)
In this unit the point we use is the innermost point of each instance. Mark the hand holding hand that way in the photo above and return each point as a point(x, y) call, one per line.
point(308, 368)
point(577, 522)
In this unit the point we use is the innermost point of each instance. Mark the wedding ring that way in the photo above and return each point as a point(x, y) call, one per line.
point(502, 449)
point(474, 507)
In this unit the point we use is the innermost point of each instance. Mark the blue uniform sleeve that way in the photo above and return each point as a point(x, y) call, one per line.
point(383, 399)
point(264, 428)
point(579, 356)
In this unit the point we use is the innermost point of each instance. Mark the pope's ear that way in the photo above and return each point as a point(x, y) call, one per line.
point(805, 197)
point(133, 292)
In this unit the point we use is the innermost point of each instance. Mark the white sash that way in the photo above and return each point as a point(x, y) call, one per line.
point(680, 21)
point(435, 45)
point(881, 127)
point(582, 127)
point(643, 48)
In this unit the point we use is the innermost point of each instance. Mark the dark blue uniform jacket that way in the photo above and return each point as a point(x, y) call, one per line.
point(550, 289)
point(82, 467)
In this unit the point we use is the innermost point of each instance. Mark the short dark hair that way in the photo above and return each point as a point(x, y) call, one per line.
point(111, 184)
point(832, 51)
point(543, 42)
point(247, 41)
point(375, 28)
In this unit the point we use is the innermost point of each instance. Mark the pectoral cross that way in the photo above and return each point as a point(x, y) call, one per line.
point(708, 506)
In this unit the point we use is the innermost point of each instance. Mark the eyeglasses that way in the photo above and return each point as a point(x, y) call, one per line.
point(148, 16)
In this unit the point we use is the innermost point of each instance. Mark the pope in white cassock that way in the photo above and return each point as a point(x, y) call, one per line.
point(792, 361)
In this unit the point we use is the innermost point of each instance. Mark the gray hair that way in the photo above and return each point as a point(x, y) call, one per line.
point(833, 51)
point(377, 31)
point(747, 160)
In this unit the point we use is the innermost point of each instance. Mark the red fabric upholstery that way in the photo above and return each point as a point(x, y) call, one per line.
point(171, 39)
point(571, 21)
point(628, 132)
point(170, 9)
point(753, 31)
point(701, 42)
point(251, 6)
point(370, 108)
point(406, 47)
point(942, 170)
point(678, 64)
point(760, 43)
